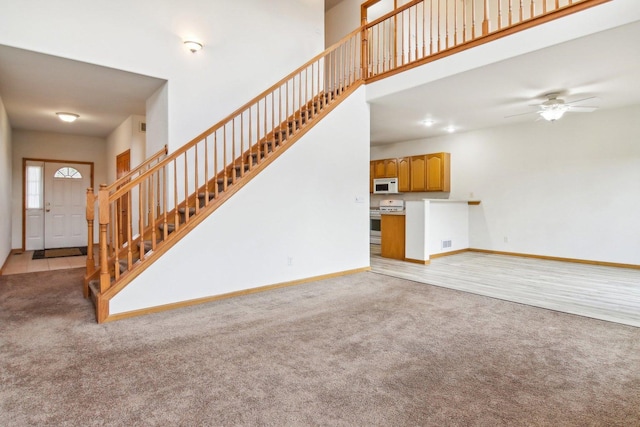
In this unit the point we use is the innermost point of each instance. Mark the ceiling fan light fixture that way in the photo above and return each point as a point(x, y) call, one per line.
point(67, 117)
point(553, 112)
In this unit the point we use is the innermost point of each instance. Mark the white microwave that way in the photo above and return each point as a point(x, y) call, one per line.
point(385, 186)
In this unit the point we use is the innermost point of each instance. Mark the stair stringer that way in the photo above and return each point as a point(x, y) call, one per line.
point(301, 210)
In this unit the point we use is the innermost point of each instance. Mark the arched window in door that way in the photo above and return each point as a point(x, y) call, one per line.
point(67, 172)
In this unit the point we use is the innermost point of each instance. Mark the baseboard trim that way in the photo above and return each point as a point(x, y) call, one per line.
point(444, 254)
point(553, 258)
point(6, 261)
point(418, 261)
point(181, 304)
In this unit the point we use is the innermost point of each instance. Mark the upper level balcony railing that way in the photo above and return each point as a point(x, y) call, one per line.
point(421, 31)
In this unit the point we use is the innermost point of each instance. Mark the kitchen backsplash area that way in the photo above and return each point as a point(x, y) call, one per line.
point(374, 200)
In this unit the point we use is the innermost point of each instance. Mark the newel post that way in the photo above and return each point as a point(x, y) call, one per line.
point(103, 219)
point(91, 201)
point(365, 48)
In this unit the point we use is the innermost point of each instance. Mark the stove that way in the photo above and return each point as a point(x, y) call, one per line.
point(374, 217)
point(391, 206)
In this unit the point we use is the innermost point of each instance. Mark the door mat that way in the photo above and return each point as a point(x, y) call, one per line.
point(59, 252)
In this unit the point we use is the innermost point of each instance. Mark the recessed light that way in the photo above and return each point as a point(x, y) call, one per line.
point(450, 129)
point(428, 123)
point(67, 117)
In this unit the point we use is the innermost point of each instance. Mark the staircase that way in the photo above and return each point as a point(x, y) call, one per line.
point(168, 200)
point(170, 194)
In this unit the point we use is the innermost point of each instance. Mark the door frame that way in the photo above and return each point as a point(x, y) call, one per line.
point(24, 187)
point(123, 204)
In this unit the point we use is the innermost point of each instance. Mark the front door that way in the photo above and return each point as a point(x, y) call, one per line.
point(65, 187)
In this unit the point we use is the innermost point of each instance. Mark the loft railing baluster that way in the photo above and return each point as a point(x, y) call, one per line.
point(455, 23)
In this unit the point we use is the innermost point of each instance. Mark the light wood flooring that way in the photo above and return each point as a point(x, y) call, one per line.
point(605, 293)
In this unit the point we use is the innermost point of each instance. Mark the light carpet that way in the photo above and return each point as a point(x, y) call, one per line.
point(360, 350)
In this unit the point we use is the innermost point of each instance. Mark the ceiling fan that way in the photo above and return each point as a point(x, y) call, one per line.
point(554, 108)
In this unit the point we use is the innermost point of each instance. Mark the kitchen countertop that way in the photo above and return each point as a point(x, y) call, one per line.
point(469, 202)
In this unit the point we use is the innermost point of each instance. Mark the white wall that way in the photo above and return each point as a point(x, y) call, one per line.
point(5, 184)
point(447, 221)
point(248, 46)
point(301, 207)
point(567, 189)
point(344, 17)
point(125, 137)
point(51, 146)
point(340, 20)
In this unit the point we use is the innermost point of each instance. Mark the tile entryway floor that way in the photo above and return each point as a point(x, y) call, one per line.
point(18, 263)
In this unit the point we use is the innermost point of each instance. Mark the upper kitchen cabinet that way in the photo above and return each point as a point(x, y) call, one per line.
point(423, 173)
point(430, 172)
point(371, 172)
point(404, 174)
point(418, 172)
point(438, 172)
point(386, 168)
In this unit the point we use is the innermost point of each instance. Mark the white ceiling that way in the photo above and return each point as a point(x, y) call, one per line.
point(34, 86)
point(605, 65)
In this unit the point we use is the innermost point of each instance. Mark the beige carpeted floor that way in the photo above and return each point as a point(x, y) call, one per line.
point(360, 350)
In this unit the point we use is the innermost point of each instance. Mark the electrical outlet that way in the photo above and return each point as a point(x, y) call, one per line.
point(506, 239)
point(359, 199)
point(289, 261)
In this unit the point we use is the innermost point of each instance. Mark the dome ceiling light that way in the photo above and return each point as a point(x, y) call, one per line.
point(67, 117)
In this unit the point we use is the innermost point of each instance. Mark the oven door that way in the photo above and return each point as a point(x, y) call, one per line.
point(374, 229)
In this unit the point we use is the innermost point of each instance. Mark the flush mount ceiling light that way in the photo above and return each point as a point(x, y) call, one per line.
point(67, 117)
point(193, 46)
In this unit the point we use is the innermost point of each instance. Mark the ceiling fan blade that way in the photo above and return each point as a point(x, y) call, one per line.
point(580, 100)
point(520, 114)
point(581, 109)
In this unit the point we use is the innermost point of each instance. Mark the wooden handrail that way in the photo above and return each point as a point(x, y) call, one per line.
point(134, 171)
point(249, 104)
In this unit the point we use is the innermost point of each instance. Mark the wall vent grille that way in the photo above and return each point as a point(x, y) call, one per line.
point(143, 127)
point(445, 244)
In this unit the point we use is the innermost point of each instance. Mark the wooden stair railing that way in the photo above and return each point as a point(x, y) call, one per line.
point(167, 200)
point(170, 197)
point(92, 198)
point(422, 31)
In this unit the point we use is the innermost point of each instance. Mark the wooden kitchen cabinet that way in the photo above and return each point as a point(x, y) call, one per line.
point(404, 174)
point(392, 230)
point(438, 172)
point(371, 171)
point(418, 173)
point(423, 173)
point(430, 172)
point(386, 168)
